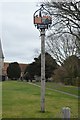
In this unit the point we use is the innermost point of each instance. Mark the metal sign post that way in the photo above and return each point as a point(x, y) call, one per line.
point(42, 21)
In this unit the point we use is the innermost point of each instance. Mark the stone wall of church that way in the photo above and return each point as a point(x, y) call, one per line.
point(1, 65)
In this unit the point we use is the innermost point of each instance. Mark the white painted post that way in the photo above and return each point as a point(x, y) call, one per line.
point(42, 70)
point(66, 112)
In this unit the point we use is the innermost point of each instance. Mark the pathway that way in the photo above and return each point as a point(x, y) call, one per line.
point(56, 90)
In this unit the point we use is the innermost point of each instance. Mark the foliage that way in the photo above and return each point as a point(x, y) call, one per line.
point(50, 65)
point(35, 67)
point(59, 74)
point(30, 71)
point(69, 72)
point(14, 70)
point(72, 66)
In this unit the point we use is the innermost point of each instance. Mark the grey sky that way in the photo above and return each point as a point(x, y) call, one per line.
point(19, 37)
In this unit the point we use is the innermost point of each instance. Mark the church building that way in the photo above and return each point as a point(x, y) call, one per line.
point(1, 60)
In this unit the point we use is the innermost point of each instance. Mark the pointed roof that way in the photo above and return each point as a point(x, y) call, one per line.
point(1, 52)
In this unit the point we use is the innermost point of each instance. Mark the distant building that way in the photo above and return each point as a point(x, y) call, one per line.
point(22, 66)
point(4, 65)
point(1, 60)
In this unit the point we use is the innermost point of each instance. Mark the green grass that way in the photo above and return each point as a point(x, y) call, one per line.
point(65, 88)
point(0, 99)
point(22, 100)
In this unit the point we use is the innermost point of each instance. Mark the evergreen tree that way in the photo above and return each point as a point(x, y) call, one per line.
point(14, 71)
point(35, 67)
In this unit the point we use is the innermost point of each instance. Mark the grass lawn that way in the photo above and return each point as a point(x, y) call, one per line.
point(65, 88)
point(22, 100)
point(0, 99)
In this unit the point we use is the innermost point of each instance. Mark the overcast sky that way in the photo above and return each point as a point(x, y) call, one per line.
point(20, 39)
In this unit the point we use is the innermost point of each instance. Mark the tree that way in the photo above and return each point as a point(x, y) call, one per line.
point(67, 14)
point(65, 31)
point(61, 48)
point(30, 71)
point(50, 65)
point(72, 66)
point(59, 74)
point(14, 71)
point(35, 67)
point(69, 72)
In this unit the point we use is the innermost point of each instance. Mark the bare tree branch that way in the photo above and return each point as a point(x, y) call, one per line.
point(64, 38)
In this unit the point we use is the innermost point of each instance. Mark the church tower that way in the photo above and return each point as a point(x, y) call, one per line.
point(1, 60)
